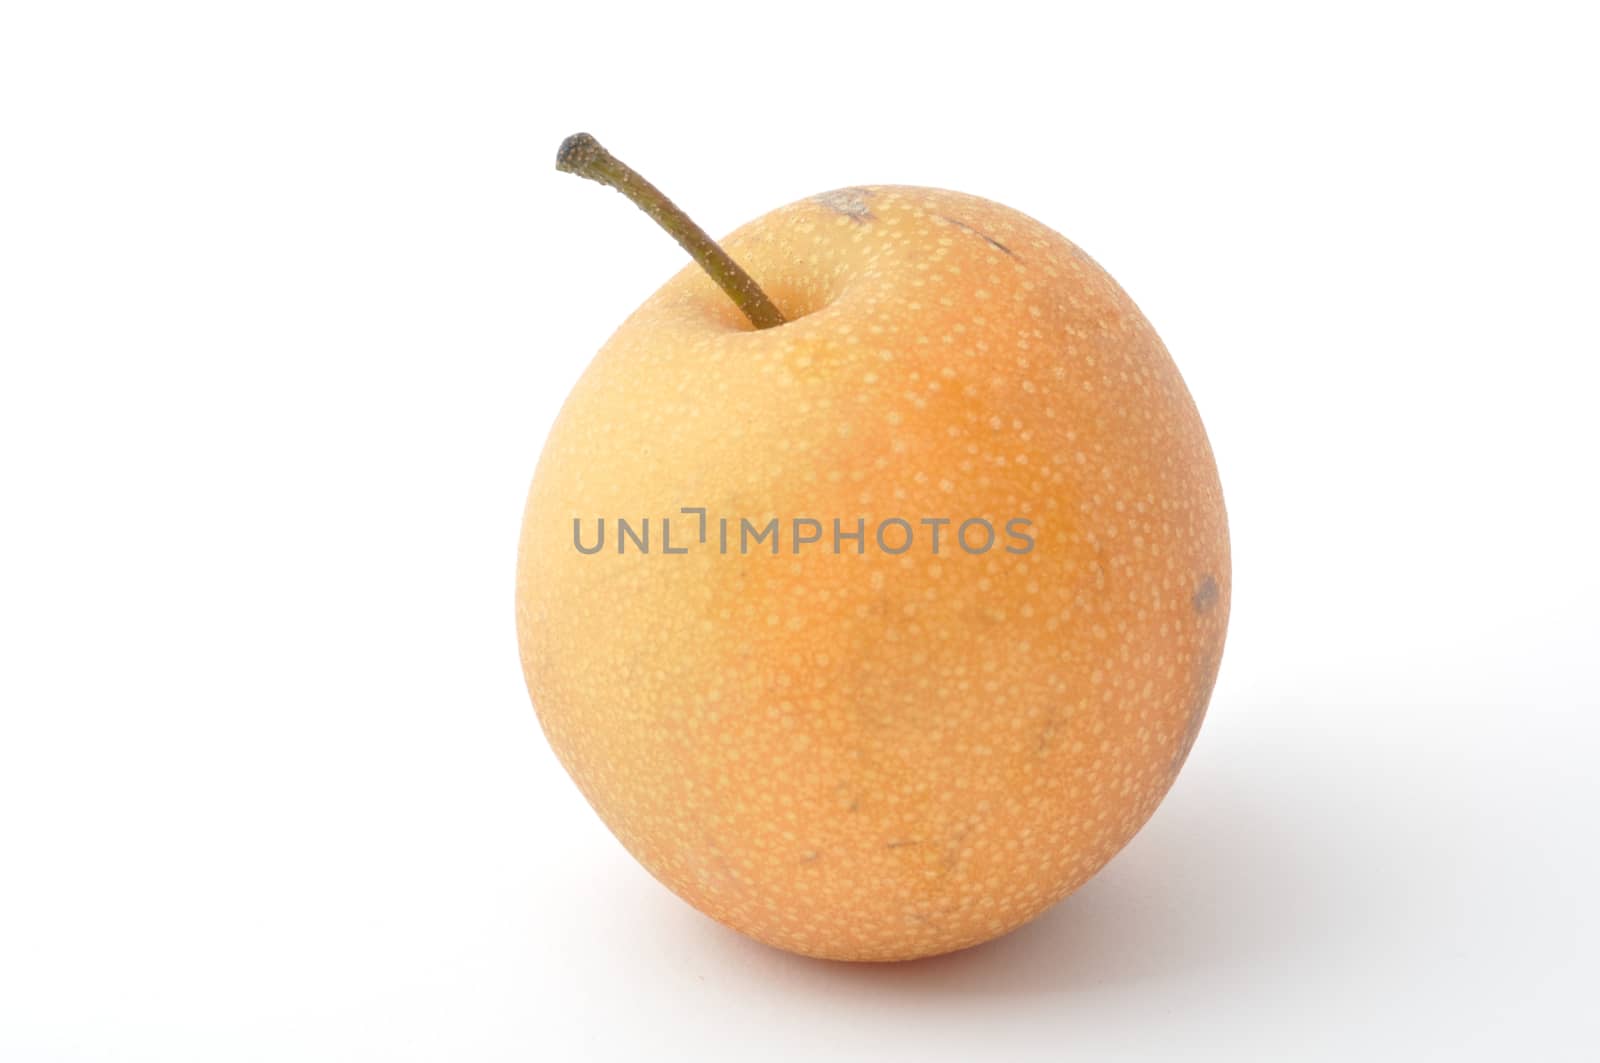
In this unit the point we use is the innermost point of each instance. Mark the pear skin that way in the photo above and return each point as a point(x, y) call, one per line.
point(864, 754)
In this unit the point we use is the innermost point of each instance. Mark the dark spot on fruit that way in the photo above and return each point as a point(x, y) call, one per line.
point(1206, 595)
point(851, 202)
point(996, 244)
point(1048, 733)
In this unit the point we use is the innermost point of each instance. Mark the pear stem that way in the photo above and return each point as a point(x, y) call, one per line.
point(582, 154)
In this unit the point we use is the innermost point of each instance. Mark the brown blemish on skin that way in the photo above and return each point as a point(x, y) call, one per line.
point(1206, 595)
point(851, 202)
point(1048, 733)
point(996, 244)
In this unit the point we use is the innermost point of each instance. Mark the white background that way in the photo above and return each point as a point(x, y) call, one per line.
point(290, 293)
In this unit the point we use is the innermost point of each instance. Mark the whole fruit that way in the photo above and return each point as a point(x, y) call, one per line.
point(849, 750)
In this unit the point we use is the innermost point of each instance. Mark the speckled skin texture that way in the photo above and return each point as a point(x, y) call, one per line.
point(880, 757)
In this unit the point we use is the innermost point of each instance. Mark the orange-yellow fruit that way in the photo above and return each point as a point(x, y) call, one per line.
point(878, 755)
